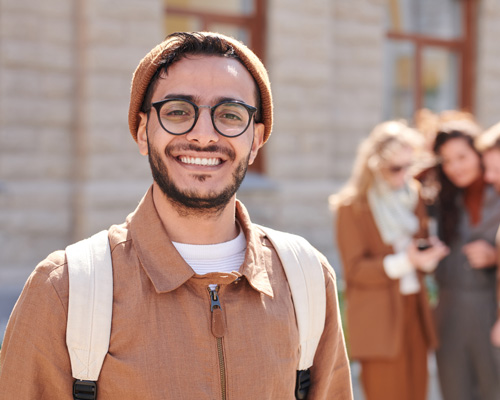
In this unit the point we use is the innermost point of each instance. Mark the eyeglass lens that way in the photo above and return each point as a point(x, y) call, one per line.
point(179, 117)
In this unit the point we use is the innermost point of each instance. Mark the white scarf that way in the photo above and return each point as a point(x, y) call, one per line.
point(394, 212)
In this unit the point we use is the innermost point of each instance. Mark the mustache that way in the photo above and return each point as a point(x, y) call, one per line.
point(213, 148)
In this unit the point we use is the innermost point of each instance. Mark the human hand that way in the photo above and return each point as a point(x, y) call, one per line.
point(495, 334)
point(428, 259)
point(480, 254)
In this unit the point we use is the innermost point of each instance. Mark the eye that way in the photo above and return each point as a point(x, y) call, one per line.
point(230, 116)
point(231, 113)
point(176, 110)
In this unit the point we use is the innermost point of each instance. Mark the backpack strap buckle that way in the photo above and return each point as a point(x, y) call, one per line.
point(84, 390)
point(302, 384)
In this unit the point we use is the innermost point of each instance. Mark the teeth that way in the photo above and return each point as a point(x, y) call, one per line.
point(200, 161)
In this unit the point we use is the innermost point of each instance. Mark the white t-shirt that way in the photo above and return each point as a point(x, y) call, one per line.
point(220, 257)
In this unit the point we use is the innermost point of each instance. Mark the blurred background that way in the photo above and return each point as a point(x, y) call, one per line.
point(69, 167)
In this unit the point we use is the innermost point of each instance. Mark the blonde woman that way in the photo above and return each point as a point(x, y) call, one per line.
point(380, 215)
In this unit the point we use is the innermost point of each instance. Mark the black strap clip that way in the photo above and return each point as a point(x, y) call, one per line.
point(302, 384)
point(84, 390)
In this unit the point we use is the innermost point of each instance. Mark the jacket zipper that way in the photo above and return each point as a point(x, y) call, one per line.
point(218, 330)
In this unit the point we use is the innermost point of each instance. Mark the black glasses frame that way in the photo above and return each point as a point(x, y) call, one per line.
point(251, 113)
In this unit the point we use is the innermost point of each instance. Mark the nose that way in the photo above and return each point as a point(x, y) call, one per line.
point(203, 131)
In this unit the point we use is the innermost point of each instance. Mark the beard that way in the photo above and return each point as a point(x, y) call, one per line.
point(189, 201)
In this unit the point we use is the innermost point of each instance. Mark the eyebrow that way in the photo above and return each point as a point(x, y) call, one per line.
point(196, 99)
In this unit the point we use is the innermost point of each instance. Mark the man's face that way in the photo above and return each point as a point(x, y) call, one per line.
point(201, 170)
point(491, 161)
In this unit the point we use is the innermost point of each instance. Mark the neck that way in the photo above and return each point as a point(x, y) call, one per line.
point(199, 226)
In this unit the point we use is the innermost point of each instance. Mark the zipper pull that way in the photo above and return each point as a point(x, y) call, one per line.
point(218, 323)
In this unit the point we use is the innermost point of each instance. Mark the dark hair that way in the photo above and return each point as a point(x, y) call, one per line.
point(448, 215)
point(194, 43)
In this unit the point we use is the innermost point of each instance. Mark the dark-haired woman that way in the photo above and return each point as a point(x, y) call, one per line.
point(468, 219)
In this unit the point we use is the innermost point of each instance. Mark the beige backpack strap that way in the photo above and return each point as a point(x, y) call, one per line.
point(90, 305)
point(307, 284)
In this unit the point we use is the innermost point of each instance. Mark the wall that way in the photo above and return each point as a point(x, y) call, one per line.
point(36, 81)
point(68, 165)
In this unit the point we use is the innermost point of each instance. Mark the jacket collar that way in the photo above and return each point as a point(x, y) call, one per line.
point(255, 265)
point(165, 267)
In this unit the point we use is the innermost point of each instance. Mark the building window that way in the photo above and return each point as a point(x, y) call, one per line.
point(429, 56)
point(241, 19)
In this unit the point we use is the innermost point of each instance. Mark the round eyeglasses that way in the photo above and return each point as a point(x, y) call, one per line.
point(178, 116)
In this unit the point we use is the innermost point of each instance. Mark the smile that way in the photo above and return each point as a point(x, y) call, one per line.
point(200, 161)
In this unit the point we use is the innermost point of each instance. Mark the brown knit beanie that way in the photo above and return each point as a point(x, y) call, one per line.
point(156, 57)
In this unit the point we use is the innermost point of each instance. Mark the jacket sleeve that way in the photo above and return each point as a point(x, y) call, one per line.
point(362, 266)
point(330, 373)
point(34, 362)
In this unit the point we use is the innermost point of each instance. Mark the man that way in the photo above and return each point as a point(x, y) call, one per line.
point(488, 144)
point(200, 110)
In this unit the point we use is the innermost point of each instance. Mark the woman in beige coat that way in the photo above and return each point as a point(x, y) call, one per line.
point(379, 216)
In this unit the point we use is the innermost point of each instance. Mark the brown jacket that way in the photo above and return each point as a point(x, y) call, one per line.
point(374, 302)
point(162, 345)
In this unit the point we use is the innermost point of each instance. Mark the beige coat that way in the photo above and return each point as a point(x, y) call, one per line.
point(374, 302)
point(163, 343)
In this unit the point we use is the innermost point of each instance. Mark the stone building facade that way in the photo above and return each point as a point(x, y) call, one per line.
point(69, 167)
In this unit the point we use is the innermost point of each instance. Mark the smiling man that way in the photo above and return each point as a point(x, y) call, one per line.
point(201, 304)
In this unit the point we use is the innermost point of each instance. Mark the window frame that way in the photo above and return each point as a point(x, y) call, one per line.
point(465, 47)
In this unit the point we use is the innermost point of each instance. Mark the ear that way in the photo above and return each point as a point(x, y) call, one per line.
point(258, 141)
point(142, 134)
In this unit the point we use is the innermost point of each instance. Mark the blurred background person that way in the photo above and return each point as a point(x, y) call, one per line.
point(379, 213)
point(468, 219)
point(488, 144)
